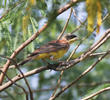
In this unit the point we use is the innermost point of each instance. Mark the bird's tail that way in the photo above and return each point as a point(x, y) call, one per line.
point(25, 61)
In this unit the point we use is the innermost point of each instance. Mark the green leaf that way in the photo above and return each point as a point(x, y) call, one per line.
point(34, 24)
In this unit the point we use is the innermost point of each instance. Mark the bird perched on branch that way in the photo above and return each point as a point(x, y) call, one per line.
point(52, 50)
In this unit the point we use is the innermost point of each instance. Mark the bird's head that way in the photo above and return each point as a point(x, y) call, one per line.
point(71, 38)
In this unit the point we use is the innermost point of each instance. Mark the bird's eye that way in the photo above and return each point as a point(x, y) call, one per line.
point(71, 36)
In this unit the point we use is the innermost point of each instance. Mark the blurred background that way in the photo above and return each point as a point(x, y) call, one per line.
point(20, 19)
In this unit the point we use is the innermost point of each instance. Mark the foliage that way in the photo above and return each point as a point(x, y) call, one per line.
point(20, 19)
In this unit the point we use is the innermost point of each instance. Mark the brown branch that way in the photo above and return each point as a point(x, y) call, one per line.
point(14, 62)
point(18, 77)
point(67, 6)
point(16, 85)
point(33, 37)
point(80, 76)
point(97, 54)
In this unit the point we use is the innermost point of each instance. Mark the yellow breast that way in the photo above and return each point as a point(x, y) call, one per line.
point(52, 55)
point(58, 54)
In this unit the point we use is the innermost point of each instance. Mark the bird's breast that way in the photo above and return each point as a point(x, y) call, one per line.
point(58, 54)
point(52, 55)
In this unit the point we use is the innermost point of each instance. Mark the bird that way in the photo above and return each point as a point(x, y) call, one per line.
point(52, 50)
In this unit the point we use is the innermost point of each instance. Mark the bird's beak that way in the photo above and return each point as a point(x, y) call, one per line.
point(73, 40)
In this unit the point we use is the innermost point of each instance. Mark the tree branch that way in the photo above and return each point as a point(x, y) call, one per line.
point(33, 37)
point(66, 65)
point(80, 76)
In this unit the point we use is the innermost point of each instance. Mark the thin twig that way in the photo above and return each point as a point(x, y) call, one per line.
point(61, 34)
point(97, 54)
point(73, 52)
point(78, 27)
point(16, 85)
point(14, 62)
point(58, 84)
point(97, 93)
point(76, 16)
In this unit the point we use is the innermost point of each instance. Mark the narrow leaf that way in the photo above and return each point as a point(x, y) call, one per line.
point(32, 2)
point(99, 15)
point(91, 10)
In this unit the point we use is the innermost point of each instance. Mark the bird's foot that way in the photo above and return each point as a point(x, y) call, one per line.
point(53, 66)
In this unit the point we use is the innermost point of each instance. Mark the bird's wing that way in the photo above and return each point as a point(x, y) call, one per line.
point(50, 47)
